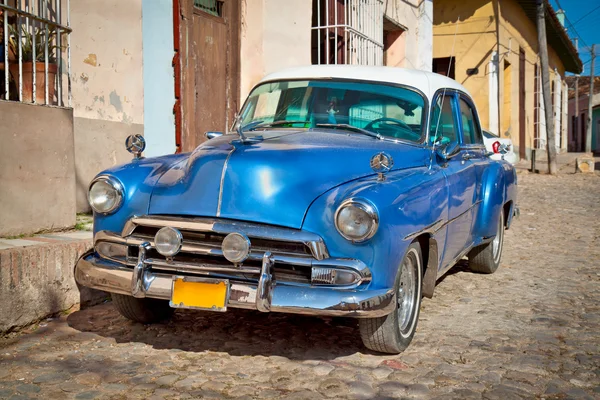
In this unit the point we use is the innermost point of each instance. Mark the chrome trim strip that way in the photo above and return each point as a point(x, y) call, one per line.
point(94, 272)
point(223, 180)
point(432, 228)
point(198, 268)
point(225, 227)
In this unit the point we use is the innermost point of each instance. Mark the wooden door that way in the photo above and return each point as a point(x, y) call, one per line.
point(522, 128)
point(210, 59)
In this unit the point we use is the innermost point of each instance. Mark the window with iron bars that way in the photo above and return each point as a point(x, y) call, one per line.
point(347, 32)
point(213, 7)
point(34, 42)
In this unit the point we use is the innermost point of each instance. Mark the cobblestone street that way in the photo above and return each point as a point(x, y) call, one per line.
point(531, 330)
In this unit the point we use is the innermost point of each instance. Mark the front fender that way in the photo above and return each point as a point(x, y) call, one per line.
point(138, 178)
point(408, 201)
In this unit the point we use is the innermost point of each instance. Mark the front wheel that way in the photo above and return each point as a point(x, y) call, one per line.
point(485, 259)
point(143, 310)
point(394, 332)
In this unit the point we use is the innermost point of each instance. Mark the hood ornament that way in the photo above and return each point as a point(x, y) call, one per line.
point(381, 163)
point(135, 144)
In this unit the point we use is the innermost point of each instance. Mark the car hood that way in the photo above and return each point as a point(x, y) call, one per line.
point(273, 180)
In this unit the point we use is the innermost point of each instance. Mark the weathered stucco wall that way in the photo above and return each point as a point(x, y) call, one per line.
point(415, 45)
point(471, 40)
point(37, 174)
point(475, 44)
point(275, 35)
point(106, 73)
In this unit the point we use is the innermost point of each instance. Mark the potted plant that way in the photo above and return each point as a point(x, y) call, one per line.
point(27, 55)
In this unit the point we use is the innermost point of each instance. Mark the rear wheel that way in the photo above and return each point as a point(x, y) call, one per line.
point(144, 310)
point(394, 332)
point(485, 259)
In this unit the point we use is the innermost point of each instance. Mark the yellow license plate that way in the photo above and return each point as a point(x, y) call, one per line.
point(200, 293)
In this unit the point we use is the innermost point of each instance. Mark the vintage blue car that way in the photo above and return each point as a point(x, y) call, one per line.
point(343, 191)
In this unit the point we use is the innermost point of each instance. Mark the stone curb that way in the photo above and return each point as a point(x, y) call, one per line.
point(37, 281)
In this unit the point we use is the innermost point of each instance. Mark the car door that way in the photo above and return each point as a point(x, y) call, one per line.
point(460, 175)
point(474, 150)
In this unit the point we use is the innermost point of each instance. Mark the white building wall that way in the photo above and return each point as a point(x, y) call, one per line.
point(493, 93)
point(415, 46)
point(557, 112)
point(565, 117)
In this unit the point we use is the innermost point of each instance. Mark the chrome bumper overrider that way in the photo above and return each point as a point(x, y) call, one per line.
point(98, 273)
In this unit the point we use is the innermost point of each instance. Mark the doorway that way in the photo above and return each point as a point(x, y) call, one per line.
point(210, 68)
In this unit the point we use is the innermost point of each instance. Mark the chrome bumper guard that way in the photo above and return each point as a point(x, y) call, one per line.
point(266, 296)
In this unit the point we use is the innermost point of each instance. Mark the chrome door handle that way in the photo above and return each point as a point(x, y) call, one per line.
point(468, 156)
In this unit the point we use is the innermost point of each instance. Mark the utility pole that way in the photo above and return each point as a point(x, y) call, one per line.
point(576, 128)
point(588, 131)
point(543, 46)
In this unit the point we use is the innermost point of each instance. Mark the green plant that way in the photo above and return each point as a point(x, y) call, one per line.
point(27, 43)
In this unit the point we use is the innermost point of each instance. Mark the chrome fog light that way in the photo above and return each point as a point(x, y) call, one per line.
point(236, 247)
point(356, 220)
point(168, 241)
point(332, 276)
point(105, 194)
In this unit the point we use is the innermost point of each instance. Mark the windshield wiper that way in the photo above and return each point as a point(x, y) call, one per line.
point(351, 128)
point(252, 126)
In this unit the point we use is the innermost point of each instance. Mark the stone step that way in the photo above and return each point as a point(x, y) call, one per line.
point(36, 277)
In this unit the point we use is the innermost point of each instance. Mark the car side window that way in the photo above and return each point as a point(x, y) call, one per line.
point(470, 127)
point(443, 123)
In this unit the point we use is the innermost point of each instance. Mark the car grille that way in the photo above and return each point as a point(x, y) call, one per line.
point(201, 250)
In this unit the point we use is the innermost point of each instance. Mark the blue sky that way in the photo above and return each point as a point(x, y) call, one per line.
point(583, 21)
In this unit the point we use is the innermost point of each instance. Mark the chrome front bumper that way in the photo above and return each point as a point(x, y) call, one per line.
point(267, 296)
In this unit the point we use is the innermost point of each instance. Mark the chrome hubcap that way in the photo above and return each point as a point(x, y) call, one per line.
point(497, 242)
point(407, 291)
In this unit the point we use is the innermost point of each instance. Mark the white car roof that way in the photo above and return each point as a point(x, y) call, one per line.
point(426, 82)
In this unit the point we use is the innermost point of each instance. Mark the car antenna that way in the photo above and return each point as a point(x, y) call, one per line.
point(437, 125)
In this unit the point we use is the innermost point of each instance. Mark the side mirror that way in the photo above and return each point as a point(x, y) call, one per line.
point(211, 135)
point(447, 151)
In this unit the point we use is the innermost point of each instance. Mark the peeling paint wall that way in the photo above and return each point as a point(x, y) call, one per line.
point(106, 60)
point(107, 84)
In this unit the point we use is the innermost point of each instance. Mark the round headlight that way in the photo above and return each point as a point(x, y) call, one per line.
point(356, 220)
point(236, 247)
point(105, 194)
point(168, 241)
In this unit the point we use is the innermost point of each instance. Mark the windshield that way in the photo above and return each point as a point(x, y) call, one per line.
point(388, 111)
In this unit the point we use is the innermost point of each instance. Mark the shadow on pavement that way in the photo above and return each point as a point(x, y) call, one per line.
point(237, 332)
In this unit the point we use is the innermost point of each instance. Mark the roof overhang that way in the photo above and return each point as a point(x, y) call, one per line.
point(556, 35)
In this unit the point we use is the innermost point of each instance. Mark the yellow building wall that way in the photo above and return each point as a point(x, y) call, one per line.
point(470, 41)
point(468, 30)
point(517, 32)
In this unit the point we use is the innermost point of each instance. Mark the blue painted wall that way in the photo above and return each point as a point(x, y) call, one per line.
point(159, 83)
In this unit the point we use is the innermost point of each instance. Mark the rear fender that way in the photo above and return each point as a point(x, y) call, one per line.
point(492, 200)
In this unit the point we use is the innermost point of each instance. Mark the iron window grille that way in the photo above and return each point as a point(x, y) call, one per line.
point(213, 7)
point(33, 42)
point(347, 32)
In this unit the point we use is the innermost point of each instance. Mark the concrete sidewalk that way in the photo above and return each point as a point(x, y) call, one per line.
point(36, 277)
point(565, 162)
